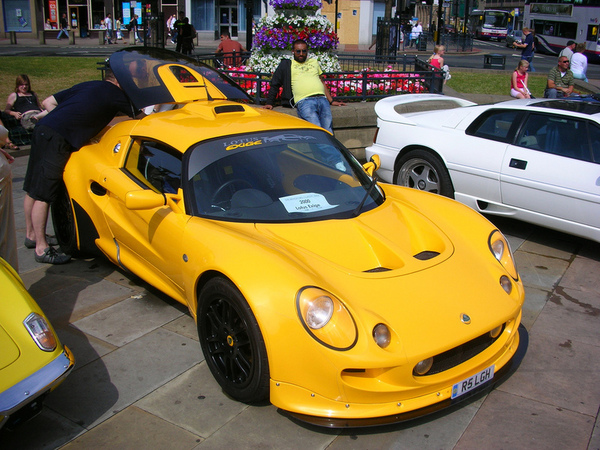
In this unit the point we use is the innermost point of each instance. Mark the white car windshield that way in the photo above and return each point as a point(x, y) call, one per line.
point(277, 176)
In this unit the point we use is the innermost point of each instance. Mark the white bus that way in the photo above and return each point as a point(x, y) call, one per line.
point(556, 22)
point(489, 23)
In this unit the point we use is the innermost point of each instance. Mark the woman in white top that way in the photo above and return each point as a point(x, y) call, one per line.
point(579, 62)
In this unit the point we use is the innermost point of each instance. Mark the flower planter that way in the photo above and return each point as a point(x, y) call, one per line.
point(288, 12)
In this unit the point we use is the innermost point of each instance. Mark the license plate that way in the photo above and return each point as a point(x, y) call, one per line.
point(472, 382)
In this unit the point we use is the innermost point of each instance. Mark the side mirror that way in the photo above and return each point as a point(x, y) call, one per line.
point(372, 166)
point(144, 199)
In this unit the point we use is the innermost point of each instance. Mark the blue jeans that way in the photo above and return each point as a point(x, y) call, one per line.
point(316, 110)
point(65, 31)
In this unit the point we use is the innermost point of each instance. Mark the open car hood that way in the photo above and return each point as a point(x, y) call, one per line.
point(151, 76)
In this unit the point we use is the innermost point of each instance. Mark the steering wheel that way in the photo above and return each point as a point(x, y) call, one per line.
point(236, 181)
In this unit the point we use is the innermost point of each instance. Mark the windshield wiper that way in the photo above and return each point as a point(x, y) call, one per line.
point(373, 183)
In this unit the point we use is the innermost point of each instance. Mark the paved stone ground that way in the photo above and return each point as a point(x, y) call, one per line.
point(141, 380)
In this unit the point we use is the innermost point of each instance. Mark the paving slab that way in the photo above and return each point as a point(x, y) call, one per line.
point(78, 300)
point(438, 431)
point(584, 271)
point(184, 325)
point(554, 370)
point(135, 429)
point(87, 348)
point(193, 401)
point(572, 315)
point(106, 386)
point(535, 300)
point(595, 440)
point(507, 421)
point(265, 428)
point(46, 431)
point(541, 272)
point(129, 319)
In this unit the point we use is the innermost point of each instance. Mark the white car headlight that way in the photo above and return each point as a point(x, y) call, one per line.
point(41, 332)
point(501, 251)
point(326, 318)
point(319, 312)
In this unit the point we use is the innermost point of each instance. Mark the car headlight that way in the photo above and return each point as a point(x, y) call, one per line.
point(326, 318)
point(40, 331)
point(501, 251)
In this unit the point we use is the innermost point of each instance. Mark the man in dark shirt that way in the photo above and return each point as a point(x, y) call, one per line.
point(75, 116)
point(527, 48)
point(178, 28)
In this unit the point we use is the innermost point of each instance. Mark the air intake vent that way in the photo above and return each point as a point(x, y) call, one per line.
point(229, 109)
point(377, 269)
point(424, 256)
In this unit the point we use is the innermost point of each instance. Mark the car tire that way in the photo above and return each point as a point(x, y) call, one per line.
point(421, 169)
point(232, 343)
point(63, 219)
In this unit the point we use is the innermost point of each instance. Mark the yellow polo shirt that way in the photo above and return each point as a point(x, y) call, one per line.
point(306, 79)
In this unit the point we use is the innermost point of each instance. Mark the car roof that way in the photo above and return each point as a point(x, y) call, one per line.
point(151, 76)
point(587, 106)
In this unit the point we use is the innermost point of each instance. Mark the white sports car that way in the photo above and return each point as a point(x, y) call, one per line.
point(536, 160)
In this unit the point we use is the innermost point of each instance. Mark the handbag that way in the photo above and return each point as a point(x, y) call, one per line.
point(28, 120)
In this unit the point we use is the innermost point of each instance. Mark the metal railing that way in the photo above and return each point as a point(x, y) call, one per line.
point(364, 77)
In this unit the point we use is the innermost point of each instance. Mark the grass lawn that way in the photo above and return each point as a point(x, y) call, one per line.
point(51, 74)
point(48, 74)
point(493, 83)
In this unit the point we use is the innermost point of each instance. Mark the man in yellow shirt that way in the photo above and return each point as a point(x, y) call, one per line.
point(302, 82)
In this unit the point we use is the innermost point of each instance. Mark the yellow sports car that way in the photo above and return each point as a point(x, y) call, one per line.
point(341, 300)
point(32, 360)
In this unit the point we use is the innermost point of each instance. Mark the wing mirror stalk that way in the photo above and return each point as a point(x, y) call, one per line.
point(372, 166)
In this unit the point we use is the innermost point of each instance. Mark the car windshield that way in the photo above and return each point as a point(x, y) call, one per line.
point(277, 176)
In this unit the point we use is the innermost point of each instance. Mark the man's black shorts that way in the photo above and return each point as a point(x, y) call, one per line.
point(47, 160)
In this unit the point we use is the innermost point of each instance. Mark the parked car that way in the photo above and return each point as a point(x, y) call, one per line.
point(449, 28)
point(305, 276)
point(514, 36)
point(537, 160)
point(32, 360)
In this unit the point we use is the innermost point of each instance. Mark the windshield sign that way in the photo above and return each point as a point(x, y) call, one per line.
point(276, 176)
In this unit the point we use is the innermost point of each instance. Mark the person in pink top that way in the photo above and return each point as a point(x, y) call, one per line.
point(437, 60)
point(518, 83)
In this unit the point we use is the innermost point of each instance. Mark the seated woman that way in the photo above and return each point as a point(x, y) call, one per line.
point(518, 81)
point(579, 62)
point(23, 104)
point(22, 111)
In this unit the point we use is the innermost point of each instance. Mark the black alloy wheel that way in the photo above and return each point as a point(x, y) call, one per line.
point(232, 342)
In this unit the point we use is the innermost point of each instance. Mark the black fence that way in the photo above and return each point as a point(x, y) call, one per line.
point(363, 78)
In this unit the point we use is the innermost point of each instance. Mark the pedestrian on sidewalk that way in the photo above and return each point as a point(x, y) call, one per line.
point(527, 47)
point(178, 25)
point(133, 28)
point(187, 36)
point(75, 116)
point(118, 32)
point(64, 27)
point(108, 23)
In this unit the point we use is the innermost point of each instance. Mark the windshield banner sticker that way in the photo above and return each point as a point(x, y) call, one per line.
point(305, 203)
